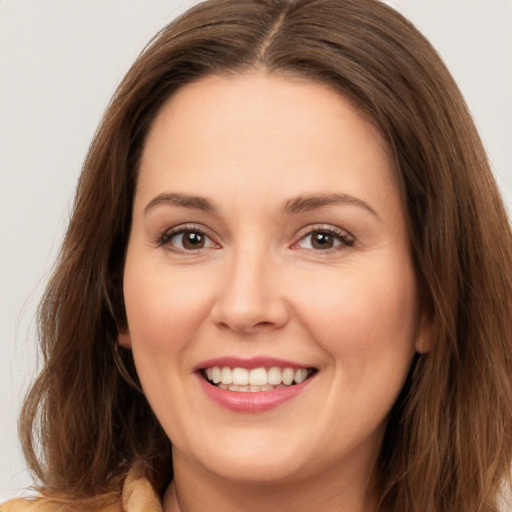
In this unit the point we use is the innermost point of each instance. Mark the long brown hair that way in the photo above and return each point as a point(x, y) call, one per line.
point(448, 445)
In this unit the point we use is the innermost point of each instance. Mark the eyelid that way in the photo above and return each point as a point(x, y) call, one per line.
point(182, 228)
point(345, 236)
point(162, 239)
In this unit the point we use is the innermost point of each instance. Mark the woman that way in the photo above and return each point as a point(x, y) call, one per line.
point(289, 262)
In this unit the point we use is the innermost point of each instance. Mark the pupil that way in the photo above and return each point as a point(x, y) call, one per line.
point(193, 240)
point(322, 240)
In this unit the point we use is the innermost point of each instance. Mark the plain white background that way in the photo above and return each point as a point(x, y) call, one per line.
point(60, 61)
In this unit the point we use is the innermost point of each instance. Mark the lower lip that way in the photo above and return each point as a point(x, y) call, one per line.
point(240, 401)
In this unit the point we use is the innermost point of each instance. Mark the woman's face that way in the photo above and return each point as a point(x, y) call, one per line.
point(268, 232)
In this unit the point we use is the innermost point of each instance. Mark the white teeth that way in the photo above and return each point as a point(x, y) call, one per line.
point(257, 379)
point(216, 374)
point(274, 376)
point(226, 377)
point(288, 376)
point(300, 375)
point(240, 376)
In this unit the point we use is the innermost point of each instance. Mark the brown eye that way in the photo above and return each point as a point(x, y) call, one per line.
point(192, 240)
point(325, 239)
point(187, 240)
point(321, 240)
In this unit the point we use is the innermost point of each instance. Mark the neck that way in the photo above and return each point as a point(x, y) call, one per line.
point(194, 489)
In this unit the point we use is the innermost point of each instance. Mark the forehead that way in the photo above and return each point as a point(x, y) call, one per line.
point(237, 102)
point(261, 129)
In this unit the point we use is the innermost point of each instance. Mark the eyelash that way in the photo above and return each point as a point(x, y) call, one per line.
point(342, 236)
point(165, 238)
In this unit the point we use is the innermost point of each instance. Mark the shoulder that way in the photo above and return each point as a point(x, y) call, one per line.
point(48, 505)
point(137, 494)
point(20, 505)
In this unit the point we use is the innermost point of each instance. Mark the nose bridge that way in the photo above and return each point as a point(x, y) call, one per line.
point(249, 297)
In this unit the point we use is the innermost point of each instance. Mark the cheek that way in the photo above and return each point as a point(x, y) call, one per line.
point(366, 323)
point(164, 309)
point(365, 318)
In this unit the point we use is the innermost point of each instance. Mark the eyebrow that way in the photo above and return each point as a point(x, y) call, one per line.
point(295, 205)
point(305, 203)
point(183, 200)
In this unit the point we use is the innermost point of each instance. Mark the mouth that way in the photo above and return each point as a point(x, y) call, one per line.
point(255, 380)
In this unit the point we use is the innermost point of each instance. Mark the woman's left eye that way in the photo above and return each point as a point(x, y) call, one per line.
point(322, 239)
point(187, 240)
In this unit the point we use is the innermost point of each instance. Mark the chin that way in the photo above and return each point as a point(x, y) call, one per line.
point(255, 459)
point(261, 471)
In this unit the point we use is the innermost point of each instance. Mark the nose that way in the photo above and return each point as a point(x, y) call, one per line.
point(250, 298)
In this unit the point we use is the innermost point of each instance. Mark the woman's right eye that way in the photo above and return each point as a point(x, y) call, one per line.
point(187, 240)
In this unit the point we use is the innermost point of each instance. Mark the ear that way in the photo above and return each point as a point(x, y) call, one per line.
point(124, 339)
point(424, 337)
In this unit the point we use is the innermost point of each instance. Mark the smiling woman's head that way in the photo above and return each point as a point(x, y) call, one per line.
point(322, 147)
point(280, 247)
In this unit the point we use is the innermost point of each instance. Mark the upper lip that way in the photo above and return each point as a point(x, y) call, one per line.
point(249, 363)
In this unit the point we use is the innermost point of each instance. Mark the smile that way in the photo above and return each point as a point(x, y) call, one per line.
point(255, 380)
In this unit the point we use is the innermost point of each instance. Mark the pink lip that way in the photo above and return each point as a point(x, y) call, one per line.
point(250, 364)
point(261, 401)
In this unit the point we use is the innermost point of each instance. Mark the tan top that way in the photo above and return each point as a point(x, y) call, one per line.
point(137, 496)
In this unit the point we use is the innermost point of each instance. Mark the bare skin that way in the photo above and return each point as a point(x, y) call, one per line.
point(267, 223)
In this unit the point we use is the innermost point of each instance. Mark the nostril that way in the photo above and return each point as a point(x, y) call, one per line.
point(246, 327)
point(263, 324)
